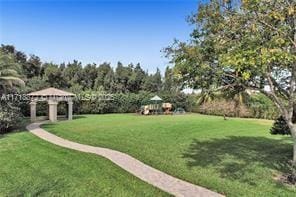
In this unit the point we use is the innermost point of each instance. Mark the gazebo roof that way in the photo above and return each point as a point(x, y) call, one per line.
point(51, 92)
point(156, 98)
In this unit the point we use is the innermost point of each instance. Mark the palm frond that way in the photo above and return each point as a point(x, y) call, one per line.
point(12, 81)
point(9, 72)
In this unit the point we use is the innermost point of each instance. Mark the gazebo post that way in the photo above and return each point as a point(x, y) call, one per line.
point(53, 111)
point(33, 110)
point(70, 109)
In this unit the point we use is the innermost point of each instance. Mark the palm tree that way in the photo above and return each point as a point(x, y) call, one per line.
point(9, 72)
point(9, 77)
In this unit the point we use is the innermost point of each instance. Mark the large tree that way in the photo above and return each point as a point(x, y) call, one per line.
point(122, 76)
point(153, 82)
point(54, 76)
point(72, 74)
point(249, 45)
point(102, 71)
point(89, 75)
point(32, 66)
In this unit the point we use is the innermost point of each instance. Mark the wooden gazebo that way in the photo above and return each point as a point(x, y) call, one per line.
point(53, 96)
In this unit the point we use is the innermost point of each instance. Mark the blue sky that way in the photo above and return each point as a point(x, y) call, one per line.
point(96, 31)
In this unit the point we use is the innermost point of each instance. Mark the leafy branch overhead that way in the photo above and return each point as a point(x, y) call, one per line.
point(238, 46)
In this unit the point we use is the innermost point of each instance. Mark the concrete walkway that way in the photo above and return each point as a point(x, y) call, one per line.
point(146, 173)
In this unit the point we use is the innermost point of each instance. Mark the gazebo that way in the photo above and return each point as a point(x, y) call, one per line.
point(53, 96)
point(156, 106)
point(156, 98)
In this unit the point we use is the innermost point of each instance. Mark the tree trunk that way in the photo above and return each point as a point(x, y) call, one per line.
point(293, 133)
point(294, 152)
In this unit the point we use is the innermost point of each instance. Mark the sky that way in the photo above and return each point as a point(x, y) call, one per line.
point(96, 31)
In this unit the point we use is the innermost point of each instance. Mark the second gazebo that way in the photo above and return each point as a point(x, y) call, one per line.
point(155, 106)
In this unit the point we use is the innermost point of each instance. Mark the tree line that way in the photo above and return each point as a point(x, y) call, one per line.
point(130, 85)
point(74, 76)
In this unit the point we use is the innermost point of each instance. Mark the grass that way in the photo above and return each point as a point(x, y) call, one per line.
point(33, 167)
point(237, 157)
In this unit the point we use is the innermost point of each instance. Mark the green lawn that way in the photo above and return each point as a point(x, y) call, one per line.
point(237, 157)
point(33, 167)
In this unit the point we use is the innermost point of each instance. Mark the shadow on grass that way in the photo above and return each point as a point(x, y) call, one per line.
point(240, 158)
point(20, 127)
point(9, 133)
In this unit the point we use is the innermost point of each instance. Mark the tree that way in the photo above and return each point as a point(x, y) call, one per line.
point(10, 77)
point(109, 82)
point(139, 77)
point(53, 75)
point(153, 82)
point(89, 75)
point(32, 66)
point(20, 57)
point(37, 83)
point(169, 83)
point(10, 72)
point(72, 74)
point(8, 49)
point(250, 46)
point(102, 71)
point(280, 127)
point(122, 75)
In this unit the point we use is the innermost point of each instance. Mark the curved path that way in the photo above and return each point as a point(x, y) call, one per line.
point(146, 173)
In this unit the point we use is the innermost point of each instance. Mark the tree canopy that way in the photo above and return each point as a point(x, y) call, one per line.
point(238, 46)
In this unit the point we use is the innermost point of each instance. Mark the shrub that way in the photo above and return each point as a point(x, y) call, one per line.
point(262, 107)
point(127, 102)
point(280, 127)
point(10, 116)
point(223, 107)
point(256, 106)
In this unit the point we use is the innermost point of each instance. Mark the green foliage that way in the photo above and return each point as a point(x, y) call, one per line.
point(53, 75)
point(102, 71)
point(32, 66)
point(236, 47)
point(241, 47)
point(10, 117)
point(130, 85)
point(153, 82)
point(254, 105)
point(72, 74)
point(10, 72)
point(280, 127)
point(126, 102)
point(36, 83)
point(10, 80)
point(262, 107)
point(91, 77)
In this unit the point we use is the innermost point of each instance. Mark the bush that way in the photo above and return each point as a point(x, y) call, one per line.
point(262, 107)
point(10, 116)
point(127, 102)
point(280, 126)
point(256, 106)
point(222, 107)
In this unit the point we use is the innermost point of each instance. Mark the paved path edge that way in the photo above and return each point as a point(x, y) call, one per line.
point(157, 178)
